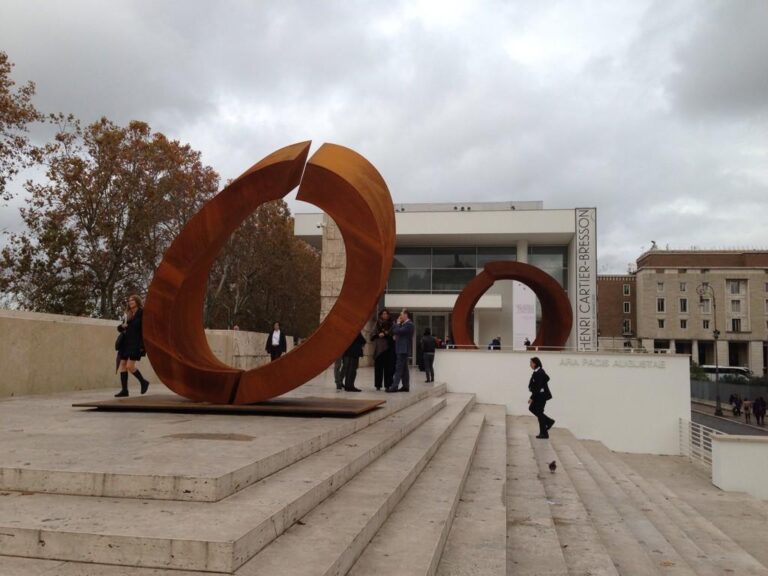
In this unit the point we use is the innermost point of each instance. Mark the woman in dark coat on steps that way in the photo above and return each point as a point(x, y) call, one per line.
point(539, 389)
point(130, 347)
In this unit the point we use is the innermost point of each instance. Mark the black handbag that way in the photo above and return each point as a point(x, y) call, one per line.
point(119, 341)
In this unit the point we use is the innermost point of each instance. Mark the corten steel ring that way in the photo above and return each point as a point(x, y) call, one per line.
point(556, 313)
point(340, 182)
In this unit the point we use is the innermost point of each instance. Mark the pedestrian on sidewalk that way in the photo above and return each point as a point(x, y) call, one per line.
point(759, 409)
point(402, 330)
point(747, 407)
point(351, 362)
point(276, 342)
point(540, 394)
point(383, 351)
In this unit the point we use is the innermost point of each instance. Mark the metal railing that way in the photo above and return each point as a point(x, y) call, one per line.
point(696, 441)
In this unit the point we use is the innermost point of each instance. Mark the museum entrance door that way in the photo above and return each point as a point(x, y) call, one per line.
point(438, 322)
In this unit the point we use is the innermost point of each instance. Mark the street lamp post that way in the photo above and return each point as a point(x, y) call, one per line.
point(701, 290)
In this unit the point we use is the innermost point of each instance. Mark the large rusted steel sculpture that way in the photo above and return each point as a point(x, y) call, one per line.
point(556, 313)
point(337, 180)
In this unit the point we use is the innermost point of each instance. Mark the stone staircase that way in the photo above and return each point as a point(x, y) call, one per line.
point(432, 484)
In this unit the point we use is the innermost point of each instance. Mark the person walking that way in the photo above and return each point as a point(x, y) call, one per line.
point(351, 362)
point(276, 342)
point(429, 345)
point(747, 407)
point(402, 331)
point(130, 345)
point(759, 409)
point(383, 351)
point(540, 394)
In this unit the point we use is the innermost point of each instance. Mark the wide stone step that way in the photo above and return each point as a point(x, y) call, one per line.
point(666, 558)
point(580, 542)
point(629, 556)
point(718, 551)
point(218, 536)
point(165, 456)
point(477, 542)
point(533, 548)
point(330, 539)
point(427, 510)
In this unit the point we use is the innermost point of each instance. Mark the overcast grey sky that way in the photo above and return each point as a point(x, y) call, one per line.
point(656, 112)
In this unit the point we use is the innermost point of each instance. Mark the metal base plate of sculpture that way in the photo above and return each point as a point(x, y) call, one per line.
point(340, 182)
point(556, 312)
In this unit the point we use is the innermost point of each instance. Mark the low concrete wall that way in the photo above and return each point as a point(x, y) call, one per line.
point(740, 464)
point(45, 353)
point(629, 403)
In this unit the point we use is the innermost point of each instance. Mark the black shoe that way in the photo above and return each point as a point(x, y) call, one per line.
point(121, 394)
point(404, 390)
point(144, 386)
point(543, 436)
point(353, 389)
point(390, 390)
point(551, 423)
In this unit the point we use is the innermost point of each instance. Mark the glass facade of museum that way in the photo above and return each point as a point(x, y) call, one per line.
point(438, 270)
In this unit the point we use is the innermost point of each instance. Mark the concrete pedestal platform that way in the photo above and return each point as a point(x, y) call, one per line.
point(48, 446)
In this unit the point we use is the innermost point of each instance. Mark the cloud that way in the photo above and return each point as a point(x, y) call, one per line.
point(618, 105)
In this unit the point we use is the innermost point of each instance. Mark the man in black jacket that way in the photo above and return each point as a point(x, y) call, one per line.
point(276, 343)
point(350, 363)
point(539, 388)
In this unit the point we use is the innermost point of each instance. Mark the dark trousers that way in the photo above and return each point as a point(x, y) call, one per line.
point(401, 373)
point(383, 369)
point(338, 374)
point(275, 355)
point(545, 422)
point(349, 371)
point(429, 365)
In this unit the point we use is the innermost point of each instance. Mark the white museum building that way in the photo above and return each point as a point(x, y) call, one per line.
point(440, 247)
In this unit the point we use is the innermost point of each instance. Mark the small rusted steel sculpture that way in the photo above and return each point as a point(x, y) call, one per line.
point(556, 313)
point(340, 182)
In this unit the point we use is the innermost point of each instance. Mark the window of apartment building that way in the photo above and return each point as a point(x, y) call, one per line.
point(661, 305)
point(736, 306)
point(626, 327)
point(705, 324)
point(627, 308)
point(735, 324)
point(683, 286)
point(627, 289)
point(736, 286)
point(684, 305)
point(659, 286)
point(661, 322)
point(683, 324)
point(706, 306)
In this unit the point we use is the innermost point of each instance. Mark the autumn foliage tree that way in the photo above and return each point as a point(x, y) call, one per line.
point(16, 114)
point(114, 199)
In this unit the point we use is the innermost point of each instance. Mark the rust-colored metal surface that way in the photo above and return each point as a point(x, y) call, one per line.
point(303, 406)
point(346, 187)
point(556, 313)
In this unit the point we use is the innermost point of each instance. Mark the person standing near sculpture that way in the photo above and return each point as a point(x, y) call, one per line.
point(350, 363)
point(130, 345)
point(383, 351)
point(428, 346)
point(402, 331)
point(276, 342)
point(540, 394)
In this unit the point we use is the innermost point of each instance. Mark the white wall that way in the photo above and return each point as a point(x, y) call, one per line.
point(629, 403)
point(47, 353)
point(740, 464)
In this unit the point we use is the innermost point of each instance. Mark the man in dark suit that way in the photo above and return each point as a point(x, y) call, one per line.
point(539, 388)
point(276, 343)
point(350, 362)
point(402, 331)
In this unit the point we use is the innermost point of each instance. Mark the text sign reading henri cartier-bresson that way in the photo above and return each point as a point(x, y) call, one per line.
point(586, 279)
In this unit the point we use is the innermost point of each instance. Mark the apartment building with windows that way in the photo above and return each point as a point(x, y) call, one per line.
point(616, 312)
point(674, 312)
